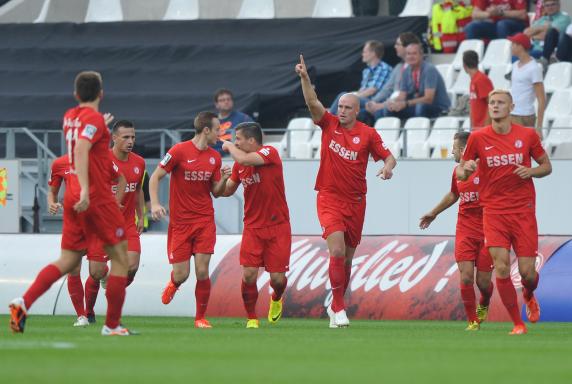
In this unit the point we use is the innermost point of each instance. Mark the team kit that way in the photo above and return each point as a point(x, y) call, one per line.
point(103, 208)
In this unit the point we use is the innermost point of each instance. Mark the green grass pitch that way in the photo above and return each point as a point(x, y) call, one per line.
point(170, 350)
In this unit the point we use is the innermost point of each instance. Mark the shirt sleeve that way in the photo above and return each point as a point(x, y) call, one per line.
point(377, 147)
point(471, 150)
point(536, 149)
point(234, 175)
point(327, 121)
point(56, 177)
point(170, 160)
point(431, 79)
point(454, 188)
point(561, 22)
point(364, 78)
point(484, 87)
point(93, 129)
point(537, 74)
point(218, 164)
point(406, 80)
point(387, 89)
point(269, 154)
point(381, 75)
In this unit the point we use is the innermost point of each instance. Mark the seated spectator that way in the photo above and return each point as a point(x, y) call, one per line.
point(479, 90)
point(391, 88)
point(229, 118)
point(497, 19)
point(527, 85)
point(545, 32)
point(374, 76)
point(422, 93)
point(564, 47)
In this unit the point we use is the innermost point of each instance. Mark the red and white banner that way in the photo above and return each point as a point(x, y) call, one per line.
point(393, 277)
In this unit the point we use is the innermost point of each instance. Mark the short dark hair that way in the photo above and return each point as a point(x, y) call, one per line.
point(122, 124)
point(463, 137)
point(222, 91)
point(250, 129)
point(204, 120)
point(471, 59)
point(377, 47)
point(407, 38)
point(88, 85)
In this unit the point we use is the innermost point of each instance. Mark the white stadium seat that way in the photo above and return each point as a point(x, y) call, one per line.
point(472, 44)
point(560, 133)
point(560, 105)
point(182, 10)
point(467, 124)
point(333, 8)
point(316, 140)
point(441, 136)
point(416, 129)
point(299, 130)
point(462, 84)
point(447, 73)
point(417, 8)
point(389, 130)
point(498, 53)
point(104, 11)
point(563, 151)
point(256, 9)
point(558, 76)
point(497, 75)
point(301, 151)
point(44, 12)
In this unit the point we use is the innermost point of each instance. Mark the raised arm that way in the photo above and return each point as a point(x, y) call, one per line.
point(241, 157)
point(316, 108)
point(447, 201)
point(157, 210)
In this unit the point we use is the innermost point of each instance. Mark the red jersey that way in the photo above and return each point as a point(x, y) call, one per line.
point(192, 174)
point(59, 172)
point(344, 156)
point(502, 190)
point(264, 196)
point(470, 216)
point(132, 169)
point(505, 5)
point(479, 91)
point(84, 123)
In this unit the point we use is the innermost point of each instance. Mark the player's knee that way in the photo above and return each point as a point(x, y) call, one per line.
point(337, 251)
point(180, 276)
point(278, 281)
point(467, 280)
point(202, 273)
point(97, 274)
point(528, 274)
point(502, 270)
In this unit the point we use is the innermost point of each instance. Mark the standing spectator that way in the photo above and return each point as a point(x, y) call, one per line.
point(228, 117)
point(526, 85)
point(391, 88)
point(374, 76)
point(479, 90)
point(422, 91)
point(546, 31)
point(497, 19)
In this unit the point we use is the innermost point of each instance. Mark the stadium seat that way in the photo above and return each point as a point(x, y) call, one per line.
point(389, 129)
point(417, 8)
point(497, 75)
point(498, 53)
point(256, 9)
point(563, 151)
point(472, 44)
point(182, 10)
point(558, 76)
point(103, 11)
point(560, 105)
point(416, 129)
point(447, 73)
point(277, 145)
point(333, 8)
point(462, 84)
point(44, 12)
point(467, 124)
point(301, 151)
point(560, 133)
point(299, 130)
point(441, 136)
point(316, 140)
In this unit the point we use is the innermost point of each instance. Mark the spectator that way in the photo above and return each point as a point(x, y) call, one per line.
point(374, 76)
point(422, 91)
point(497, 19)
point(479, 90)
point(526, 85)
point(545, 32)
point(391, 88)
point(564, 47)
point(228, 117)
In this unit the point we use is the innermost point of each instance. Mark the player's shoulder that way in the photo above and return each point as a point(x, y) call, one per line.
point(214, 154)
point(135, 158)
point(90, 115)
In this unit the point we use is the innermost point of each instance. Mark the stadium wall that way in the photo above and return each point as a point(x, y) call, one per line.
point(394, 277)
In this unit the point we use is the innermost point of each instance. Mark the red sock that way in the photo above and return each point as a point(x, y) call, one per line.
point(486, 295)
point(91, 291)
point(469, 301)
point(508, 296)
point(528, 288)
point(249, 297)
point(75, 289)
point(278, 289)
point(337, 280)
point(47, 276)
point(202, 293)
point(348, 275)
point(115, 293)
point(174, 282)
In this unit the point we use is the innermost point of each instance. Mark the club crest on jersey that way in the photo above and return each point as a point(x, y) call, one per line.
point(89, 131)
point(518, 144)
point(212, 160)
point(165, 159)
point(136, 170)
point(119, 232)
point(355, 140)
point(476, 180)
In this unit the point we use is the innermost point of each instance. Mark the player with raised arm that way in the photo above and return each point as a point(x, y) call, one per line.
point(341, 184)
point(470, 250)
point(267, 237)
point(505, 151)
point(195, 170)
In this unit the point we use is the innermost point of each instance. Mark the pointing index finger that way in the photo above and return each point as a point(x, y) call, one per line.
point(302, 60)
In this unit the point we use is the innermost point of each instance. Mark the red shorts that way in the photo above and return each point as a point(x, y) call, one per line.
point(267, 247)
point(184, 240)
point(96, 252)
point(338, 215)
point(518, 230)
point(471, 249)
point(73, 238)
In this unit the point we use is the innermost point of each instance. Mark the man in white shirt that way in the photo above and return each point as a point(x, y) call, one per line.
point(527, 85)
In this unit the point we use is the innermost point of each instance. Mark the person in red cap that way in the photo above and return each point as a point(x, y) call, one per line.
point(527, 85)
point(497, 19)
